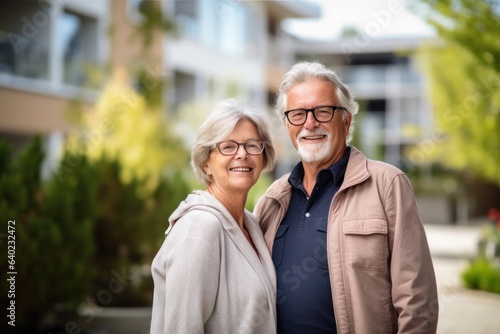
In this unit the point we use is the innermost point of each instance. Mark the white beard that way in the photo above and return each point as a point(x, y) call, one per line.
point(313, 152)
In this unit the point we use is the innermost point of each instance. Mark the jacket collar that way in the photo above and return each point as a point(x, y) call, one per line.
point(337, 170)
point(356, 172)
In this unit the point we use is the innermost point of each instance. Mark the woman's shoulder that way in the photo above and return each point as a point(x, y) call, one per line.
point(198, 223)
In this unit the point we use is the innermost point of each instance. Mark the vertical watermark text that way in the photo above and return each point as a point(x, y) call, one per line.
point(11, 273)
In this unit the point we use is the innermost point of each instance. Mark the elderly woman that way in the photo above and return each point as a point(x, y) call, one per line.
point(213, 273)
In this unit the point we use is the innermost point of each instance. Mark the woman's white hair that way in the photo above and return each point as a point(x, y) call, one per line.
point(304, 71)
point(219, 125)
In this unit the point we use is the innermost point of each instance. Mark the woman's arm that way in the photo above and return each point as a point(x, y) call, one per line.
point(186, 274)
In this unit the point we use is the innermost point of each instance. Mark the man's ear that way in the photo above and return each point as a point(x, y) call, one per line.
point(285, 123)
point(347, 121)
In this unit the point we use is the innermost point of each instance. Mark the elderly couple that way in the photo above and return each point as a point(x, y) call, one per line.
point(335, 246)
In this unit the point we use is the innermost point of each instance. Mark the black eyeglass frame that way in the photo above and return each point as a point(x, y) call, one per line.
point(335, 108)
point(217, 145)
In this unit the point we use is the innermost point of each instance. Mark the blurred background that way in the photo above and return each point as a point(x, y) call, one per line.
point(100, 101)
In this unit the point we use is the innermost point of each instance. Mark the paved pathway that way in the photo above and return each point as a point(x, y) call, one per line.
point(461, 311)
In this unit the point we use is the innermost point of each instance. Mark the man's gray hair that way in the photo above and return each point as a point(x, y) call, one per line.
point(304, 71)
point(219, 125)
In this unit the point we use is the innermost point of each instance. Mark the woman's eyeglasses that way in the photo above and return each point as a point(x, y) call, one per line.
point(230, 147)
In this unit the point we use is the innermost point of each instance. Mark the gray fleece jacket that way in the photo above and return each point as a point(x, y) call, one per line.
point(208, 278)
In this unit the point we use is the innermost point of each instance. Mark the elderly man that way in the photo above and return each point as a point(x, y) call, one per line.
point(345, 233)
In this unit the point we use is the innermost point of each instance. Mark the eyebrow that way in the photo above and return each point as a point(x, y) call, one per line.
point(241, 141)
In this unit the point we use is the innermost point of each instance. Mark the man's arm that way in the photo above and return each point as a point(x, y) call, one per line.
point(414, 291)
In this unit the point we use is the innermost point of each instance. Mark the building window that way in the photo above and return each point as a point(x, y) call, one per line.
point(7, 55)
point(186, 14)
point(24, 40)
point(184, 88)
point(253, 33)
point(410, 111)
point(187, 8)
point(233, 29)
point(225, 25)
point(78, 36)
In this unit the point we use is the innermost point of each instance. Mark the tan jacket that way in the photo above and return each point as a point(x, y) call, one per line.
point(380, 266)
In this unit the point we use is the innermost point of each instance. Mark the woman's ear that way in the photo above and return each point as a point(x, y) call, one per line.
point(207, 170)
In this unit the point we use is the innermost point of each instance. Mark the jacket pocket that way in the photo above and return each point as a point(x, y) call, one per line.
point(366, 244)
point(279, 244)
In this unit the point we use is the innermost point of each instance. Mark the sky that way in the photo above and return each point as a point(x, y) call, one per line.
point(384, 18)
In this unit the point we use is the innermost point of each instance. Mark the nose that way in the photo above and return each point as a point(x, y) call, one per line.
point(241, 153)
point(311, 121)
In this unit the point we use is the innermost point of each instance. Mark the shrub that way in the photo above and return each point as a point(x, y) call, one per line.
point(128, 232)
point(77, 231)
point(53, 234)
point(482, 274)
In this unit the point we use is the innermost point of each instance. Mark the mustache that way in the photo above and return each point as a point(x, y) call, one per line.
point(317, 132)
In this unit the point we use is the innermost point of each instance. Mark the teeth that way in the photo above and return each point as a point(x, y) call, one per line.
point(314, 137)
point(240, 169)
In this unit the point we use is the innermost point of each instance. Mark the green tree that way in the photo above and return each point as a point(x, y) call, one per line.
point(140, 177)
point(53, 234)
point(104, 210)
point(463, 71)
point(129, 229)
point(122, 126)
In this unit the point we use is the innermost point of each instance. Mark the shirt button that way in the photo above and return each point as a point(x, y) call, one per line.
point(308, 214)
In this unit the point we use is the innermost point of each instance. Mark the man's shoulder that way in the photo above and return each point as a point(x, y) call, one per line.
point(279, 185)
point(361, 167)
point(381, 167)
point(276, 192)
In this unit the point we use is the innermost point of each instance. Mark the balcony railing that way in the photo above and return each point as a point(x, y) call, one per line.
point(379, 74)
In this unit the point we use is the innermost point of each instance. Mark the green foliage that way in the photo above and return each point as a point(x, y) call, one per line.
point(489, 243)
point(80, 229)
point(53, 234)
point(153, 20)
point(257, 191)
point(464, 76)
point(129, 230)
point(350, 31)
point(482, 274)
point(151, 86)
point(123, 127)
point(97, 223)
point(471, 24)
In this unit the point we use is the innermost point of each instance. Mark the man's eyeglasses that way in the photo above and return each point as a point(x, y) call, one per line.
point(322, 114)
point(229, 147)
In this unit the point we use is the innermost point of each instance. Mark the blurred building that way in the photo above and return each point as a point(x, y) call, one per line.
point(229, 48)
point(223, 48)
point(43, 48)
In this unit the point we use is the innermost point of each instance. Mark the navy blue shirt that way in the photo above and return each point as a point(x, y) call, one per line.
point(304, 299)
